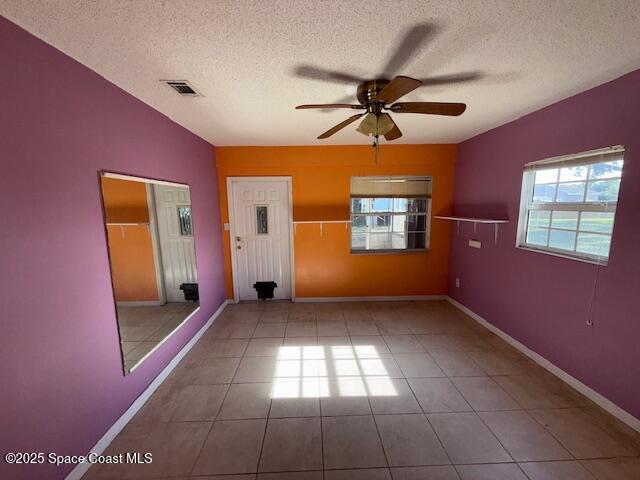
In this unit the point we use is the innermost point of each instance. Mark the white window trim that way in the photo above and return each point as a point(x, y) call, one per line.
point(528, 179)
point(426, 231)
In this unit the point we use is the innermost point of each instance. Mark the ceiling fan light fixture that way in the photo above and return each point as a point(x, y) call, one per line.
point(368, 125)
point(373, 124)
point(385, 124)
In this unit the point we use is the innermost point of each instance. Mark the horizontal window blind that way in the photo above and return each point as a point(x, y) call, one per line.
point(390, 187)
point(602, 155)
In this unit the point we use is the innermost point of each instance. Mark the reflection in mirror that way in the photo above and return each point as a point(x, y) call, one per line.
point(153, 263)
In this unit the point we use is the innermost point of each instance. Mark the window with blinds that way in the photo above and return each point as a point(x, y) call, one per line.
point(390, 213)
point(568, 204)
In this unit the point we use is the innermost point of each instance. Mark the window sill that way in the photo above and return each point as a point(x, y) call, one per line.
point(388, 252)
point(594, 261)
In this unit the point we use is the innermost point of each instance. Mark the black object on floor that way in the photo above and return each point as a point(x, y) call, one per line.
point(190, 292)
point(265, 289)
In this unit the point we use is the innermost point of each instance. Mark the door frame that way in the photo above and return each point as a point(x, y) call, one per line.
point(155, 242)
point(231, 215)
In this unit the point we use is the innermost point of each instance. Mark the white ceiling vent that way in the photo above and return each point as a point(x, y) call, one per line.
point(183, 88)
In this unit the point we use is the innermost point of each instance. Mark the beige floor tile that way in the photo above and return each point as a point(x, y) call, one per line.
point(531, 392)
point(263, 347)
point(251, 476)
point(347, 396)
point(556, 471)
point(256, 370)
point(523, 437)
point(174, 448)
point(391, 395)
point(351, 442)
point(438, 395)
point(415, 365)
point(159, 407)
point(270, 330)
point(466, 439)
point(198, 403)
point(225, 348)
point(577, 434)
point(292, 444)
point(285, 476)
point(443, 472)
point(457, 364)
point(470, 342)
point(332, 328)
point(361, 327)
point(336, 341)
point(392, 327)
point(495, 471)
point(614, 468)
point(438, 343)
point(372, 342)
point(403, 344)
point(233, 446)
point(294, 407)
point(301, 329)
point(361, 474)
point(384, 366)
point(300, 341)
point(275, 316)
point(496, 362)
point(128, 347)
point(129, 440)
point(409, 440)
point(210, 372)
point(236, 330)
point(246, 400)
point(484, 394)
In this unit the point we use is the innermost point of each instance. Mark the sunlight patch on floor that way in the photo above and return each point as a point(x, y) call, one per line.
point(323, 371)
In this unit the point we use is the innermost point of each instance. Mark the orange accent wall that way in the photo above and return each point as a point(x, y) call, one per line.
point(130, 247)
point(324, 267)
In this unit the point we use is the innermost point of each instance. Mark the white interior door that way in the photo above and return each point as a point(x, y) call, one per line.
point(177, 248)
point(261, 235)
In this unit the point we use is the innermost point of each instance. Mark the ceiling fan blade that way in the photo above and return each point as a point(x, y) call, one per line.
point(330, 105)
point(408, 47)
point(340, 126)
point(317, 73)
point(451, 79)
point(397, 88)
point(433, 108)
point(394, 133)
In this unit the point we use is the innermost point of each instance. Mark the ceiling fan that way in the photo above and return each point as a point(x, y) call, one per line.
point(378, 96)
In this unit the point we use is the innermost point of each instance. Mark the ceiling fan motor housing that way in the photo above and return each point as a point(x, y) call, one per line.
point(369, 89)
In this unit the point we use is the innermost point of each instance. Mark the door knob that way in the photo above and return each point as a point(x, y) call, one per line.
point(239, 247)
point(238, 239)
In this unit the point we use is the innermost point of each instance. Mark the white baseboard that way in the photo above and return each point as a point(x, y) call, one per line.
point(390, 298)
point(588, 392)
point(141, 303)
point(117, 427)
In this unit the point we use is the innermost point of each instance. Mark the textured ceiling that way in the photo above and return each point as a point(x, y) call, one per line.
point(243, 57)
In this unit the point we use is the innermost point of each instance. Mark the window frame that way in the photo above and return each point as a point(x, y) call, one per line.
point(527, 204)
point(386, 251)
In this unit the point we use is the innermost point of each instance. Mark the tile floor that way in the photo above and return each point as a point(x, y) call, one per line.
point(142, 328)
point(394, 390)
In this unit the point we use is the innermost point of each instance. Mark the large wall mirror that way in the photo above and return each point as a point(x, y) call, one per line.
point(149, 227)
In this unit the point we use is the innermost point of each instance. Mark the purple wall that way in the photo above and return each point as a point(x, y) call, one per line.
point(542, 300)
point(60, 368)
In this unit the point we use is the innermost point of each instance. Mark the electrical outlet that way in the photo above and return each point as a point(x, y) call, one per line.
point(457, 283)
point(475, 243)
